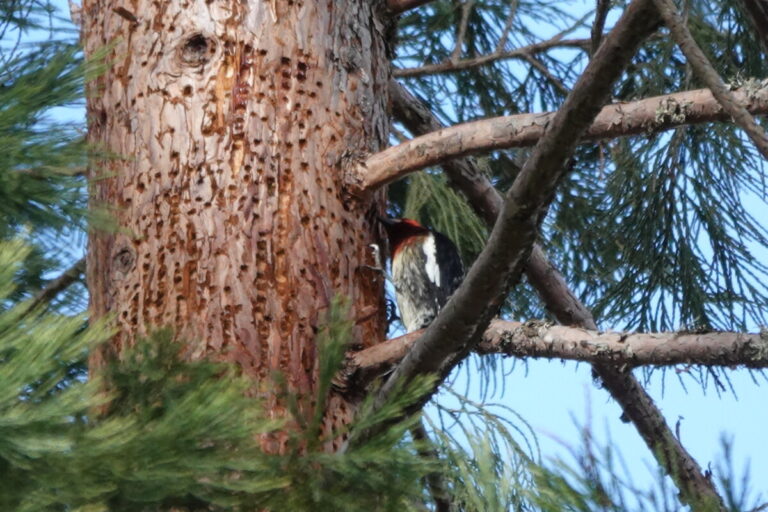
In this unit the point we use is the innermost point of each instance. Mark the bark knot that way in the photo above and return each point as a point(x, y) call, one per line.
point(196, 50)
point(671, 111)
point(124, 260)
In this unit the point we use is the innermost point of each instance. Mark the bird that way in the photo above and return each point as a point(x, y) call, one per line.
point(426, 270)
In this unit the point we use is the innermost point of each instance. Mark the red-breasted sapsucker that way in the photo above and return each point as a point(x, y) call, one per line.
point(426, 270)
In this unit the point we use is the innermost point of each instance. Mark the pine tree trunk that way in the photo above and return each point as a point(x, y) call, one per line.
point(235, 121)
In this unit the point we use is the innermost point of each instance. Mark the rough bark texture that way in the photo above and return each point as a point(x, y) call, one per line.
point(487, 203)
point(616, 349)
point(705, 72)
point(235, 120)
point(649, 115)
point(559, 300)
point(462, 321)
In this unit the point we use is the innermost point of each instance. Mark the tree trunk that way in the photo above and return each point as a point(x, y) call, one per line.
point(234, 122)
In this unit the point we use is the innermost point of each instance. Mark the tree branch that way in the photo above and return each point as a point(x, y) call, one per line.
point(703, 69)
point(758, 13)
point(57, 285)
point(502, 42)
point(464, 175)
point(518, 53)
point(636, 404)
point(400, 6)
point(466, 9)
point(537, 339)
point(541, 68)
point(649, 115)
point(601, 13)
point(462, 321)
point(434, 481)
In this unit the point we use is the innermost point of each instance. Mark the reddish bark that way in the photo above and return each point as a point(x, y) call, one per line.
point(234, 121)
point(648, 115)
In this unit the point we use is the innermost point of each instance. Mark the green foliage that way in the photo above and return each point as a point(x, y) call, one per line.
point(175, 432)
point(332, 348)
point(42, 190)
point(157, 431)
point(431, 201)
point(429, 35)
point(652, 231)
point(485, 450)
point(595, 478)
point(195, 430)
point(328, 481)
point(483, 479)
point(683, 205)
point(38, 413)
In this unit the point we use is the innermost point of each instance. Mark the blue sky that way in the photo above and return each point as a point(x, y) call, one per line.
point(551, 395)
point(556, 398)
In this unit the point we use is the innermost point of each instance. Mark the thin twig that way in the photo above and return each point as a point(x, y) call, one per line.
point(507, 27)
point(462, 321)
point(466, 9)
point(57, 285)
point(435, 483)
point(758, 13)
point(400, 6)
point(601, 13)
point(649, 115)
point(707, 74)
point(47, 172)
point(541, 68)
point(518, 53)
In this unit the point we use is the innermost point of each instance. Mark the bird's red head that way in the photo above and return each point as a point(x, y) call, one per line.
point(400, 231)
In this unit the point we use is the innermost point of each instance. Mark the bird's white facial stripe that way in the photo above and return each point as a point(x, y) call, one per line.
point(432, 268)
